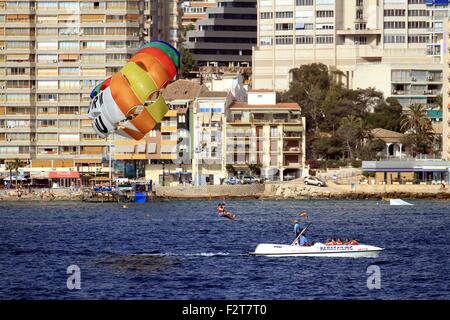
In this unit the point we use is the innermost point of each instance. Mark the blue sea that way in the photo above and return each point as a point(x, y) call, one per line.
point(178, 250)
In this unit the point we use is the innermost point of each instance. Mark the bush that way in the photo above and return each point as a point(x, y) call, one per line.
point(314, 164)
point(368, 174)
point(356, 163)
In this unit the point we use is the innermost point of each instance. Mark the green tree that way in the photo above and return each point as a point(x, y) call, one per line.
point(230, 169)
point(438, 102)
point(329, 148)
point(371, 148)
point(255, 168)
point(308, 88)
point(15, 165)
point(188, 63)
point(386, 115)
point(353, 132)
point(418, 129)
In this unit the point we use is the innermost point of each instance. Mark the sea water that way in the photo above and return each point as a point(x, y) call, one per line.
point(184, 250)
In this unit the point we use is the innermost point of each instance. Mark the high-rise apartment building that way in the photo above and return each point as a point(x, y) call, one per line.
point(446, 96)
point(227, 36)
point(163, 20)
point(381, 43)
point(52, 53)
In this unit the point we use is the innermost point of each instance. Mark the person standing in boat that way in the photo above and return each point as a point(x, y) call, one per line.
point(297, 228)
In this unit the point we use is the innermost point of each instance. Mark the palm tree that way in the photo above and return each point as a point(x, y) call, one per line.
point(16, 165)
point(419, 133)
point(415, 119)
point(353, 130)
point(10, 167)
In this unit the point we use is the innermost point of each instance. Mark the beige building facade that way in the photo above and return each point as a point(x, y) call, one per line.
point(357, 37)
point(270, 134)
point(52, 54)
point(446, 98)
point(209, 137)
point(163, 20)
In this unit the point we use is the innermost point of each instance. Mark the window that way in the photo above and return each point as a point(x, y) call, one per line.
point(283, 40)
point(273, 132)
point(394, 13)
point(266, 41)
point(325, 39)
point(360, 40)
point(304, 2)
point(394, 38)
point(304, 40)
point(284, 26)
point(324, 13)
point(394, 25)
point(266, 15)
point(284, 14)
point(418, 38)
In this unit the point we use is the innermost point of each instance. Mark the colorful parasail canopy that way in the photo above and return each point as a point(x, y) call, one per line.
point(119, 103)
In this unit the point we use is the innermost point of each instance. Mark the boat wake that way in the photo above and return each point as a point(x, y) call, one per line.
point(200, 254)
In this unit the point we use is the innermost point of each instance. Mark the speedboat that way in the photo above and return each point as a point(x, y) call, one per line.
point(316, 250)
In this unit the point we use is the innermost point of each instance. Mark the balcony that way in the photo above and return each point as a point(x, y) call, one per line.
point(416, 93)
point(292, 150)
point(292, 136)
point(291, 164)
point(266, 119)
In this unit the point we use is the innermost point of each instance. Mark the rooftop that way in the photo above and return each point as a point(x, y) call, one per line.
point(387, 135)
point(214, 94)
point(183, 90)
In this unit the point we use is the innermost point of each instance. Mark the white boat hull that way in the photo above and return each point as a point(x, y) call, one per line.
point(317, 250)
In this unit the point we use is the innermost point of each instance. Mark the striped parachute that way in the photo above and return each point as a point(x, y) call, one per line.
point(118, 103)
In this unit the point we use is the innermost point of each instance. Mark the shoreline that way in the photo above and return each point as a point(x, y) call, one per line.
point(283, 191)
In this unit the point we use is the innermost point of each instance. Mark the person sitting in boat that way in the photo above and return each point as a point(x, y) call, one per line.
point(329, 242)
point(354, 242)
point(303, 240)
point(339, 242)
point(347, 241)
